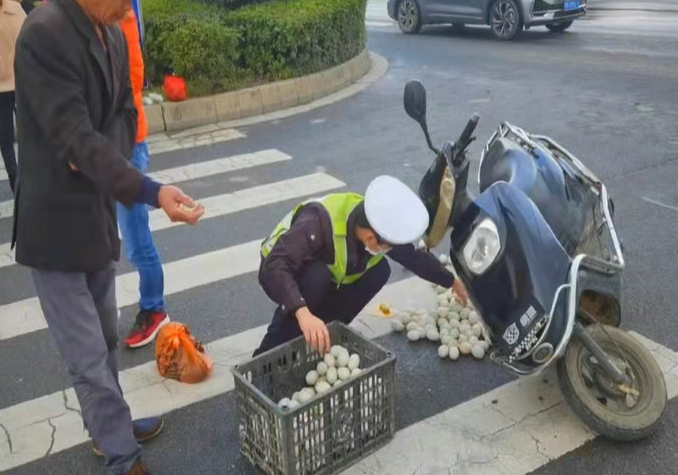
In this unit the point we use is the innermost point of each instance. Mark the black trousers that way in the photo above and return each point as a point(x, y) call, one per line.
point(325, 300)
point(7, 108)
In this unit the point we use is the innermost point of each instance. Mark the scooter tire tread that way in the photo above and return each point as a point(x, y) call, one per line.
point(591, 419)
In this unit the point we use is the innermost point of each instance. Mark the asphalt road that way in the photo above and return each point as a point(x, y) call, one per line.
point(607, 90)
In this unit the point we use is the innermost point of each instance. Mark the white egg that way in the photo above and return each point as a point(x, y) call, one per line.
point(422, 312)
point(342, 360)
point(445, 340)
point(454, 333)
point(397, 325)
point(432, 335)
point(454, 324)
point(322, 368)
point(405, 318)
point(295, 396)
point(306, 394)
point(485, 344)
point(322, 387)
point(464, 313)
point(329, 360)
point(442, 322)
point(464, 327)
point(356, 372)
point(332, 375)
point(444, 351)
point(473, 339)
point(336, 350)
point(477, 329)
point(454, 317)
point(354, 362)
point(344, 374)
point(312, 377)
point(454, 353)
point(473, 317)
point(285, 402)
point(463, 337)
point(445, 331)
point(478, 352)
point(455, 307)
point(443, 312)
point(465, 348)
point(294, 404)
point(440, 290)
point(413, 335)
point(454, 344)
point(412, 326)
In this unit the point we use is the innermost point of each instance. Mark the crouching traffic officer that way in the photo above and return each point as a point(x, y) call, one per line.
point(325, 260)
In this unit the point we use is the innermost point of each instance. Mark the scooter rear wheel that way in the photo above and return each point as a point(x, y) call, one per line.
point(595, 397)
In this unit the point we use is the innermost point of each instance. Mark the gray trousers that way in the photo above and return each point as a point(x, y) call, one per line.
point(82, 316)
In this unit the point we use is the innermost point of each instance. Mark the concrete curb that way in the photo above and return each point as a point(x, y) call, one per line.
point(255, 101)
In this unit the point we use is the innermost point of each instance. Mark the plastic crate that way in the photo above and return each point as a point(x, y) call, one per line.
point(327, 433)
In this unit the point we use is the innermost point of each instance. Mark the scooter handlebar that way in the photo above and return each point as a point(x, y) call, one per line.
point(467, 134)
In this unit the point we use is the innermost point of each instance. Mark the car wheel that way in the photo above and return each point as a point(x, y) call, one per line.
point(409, 16)
point(559, 27)
point(505, 19)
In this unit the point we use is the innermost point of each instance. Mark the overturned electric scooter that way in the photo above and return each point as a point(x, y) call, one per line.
point(539, 254)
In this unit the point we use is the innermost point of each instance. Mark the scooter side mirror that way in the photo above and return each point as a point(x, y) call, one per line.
point(415, 105)
point(415, 101)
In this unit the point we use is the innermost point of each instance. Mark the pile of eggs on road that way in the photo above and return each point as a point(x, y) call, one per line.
point(337, 367)
point(457, 329)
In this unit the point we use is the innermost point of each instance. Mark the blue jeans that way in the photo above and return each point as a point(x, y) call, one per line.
point(139, 245)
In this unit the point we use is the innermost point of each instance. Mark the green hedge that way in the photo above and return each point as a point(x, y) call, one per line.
point(218, 49)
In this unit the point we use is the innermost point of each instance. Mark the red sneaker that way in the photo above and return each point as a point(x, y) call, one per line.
point(146, 328)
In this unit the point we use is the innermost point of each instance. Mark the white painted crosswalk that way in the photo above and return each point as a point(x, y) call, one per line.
point(508, 430)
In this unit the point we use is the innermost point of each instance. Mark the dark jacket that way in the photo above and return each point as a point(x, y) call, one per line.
point(310, 238)
point(74, 104)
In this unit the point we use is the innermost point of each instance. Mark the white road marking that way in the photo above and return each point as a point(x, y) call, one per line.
point(190, 139)
point(229, 203)
point(659, 203)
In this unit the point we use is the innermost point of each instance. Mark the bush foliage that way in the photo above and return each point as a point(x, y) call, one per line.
point(217, 49)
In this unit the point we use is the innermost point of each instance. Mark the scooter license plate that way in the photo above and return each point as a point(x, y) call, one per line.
point(572, 5)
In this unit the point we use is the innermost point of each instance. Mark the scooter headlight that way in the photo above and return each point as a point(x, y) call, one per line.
point(482, 248)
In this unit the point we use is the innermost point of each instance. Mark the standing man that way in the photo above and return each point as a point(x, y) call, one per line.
point(325, 260)
point(136, 232)
point(77, 127)
point(11, 19)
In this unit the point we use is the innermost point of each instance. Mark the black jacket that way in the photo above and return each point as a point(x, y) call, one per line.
point(74, 104)
point(310, 238)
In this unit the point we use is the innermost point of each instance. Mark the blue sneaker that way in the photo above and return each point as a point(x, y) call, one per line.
point(144, 430)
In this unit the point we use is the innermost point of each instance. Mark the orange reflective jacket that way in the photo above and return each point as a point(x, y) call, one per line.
point(136, 66)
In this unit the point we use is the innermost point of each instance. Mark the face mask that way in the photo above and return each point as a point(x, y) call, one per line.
point(378, 253)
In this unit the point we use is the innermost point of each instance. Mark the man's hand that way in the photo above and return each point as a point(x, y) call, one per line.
point(460, 291)
point(314, 330)
point(178, 206)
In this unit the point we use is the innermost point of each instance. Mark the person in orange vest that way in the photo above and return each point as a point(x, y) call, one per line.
point(136, 233)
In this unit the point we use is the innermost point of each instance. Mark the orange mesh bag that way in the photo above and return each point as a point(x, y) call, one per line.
point(180, 356)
